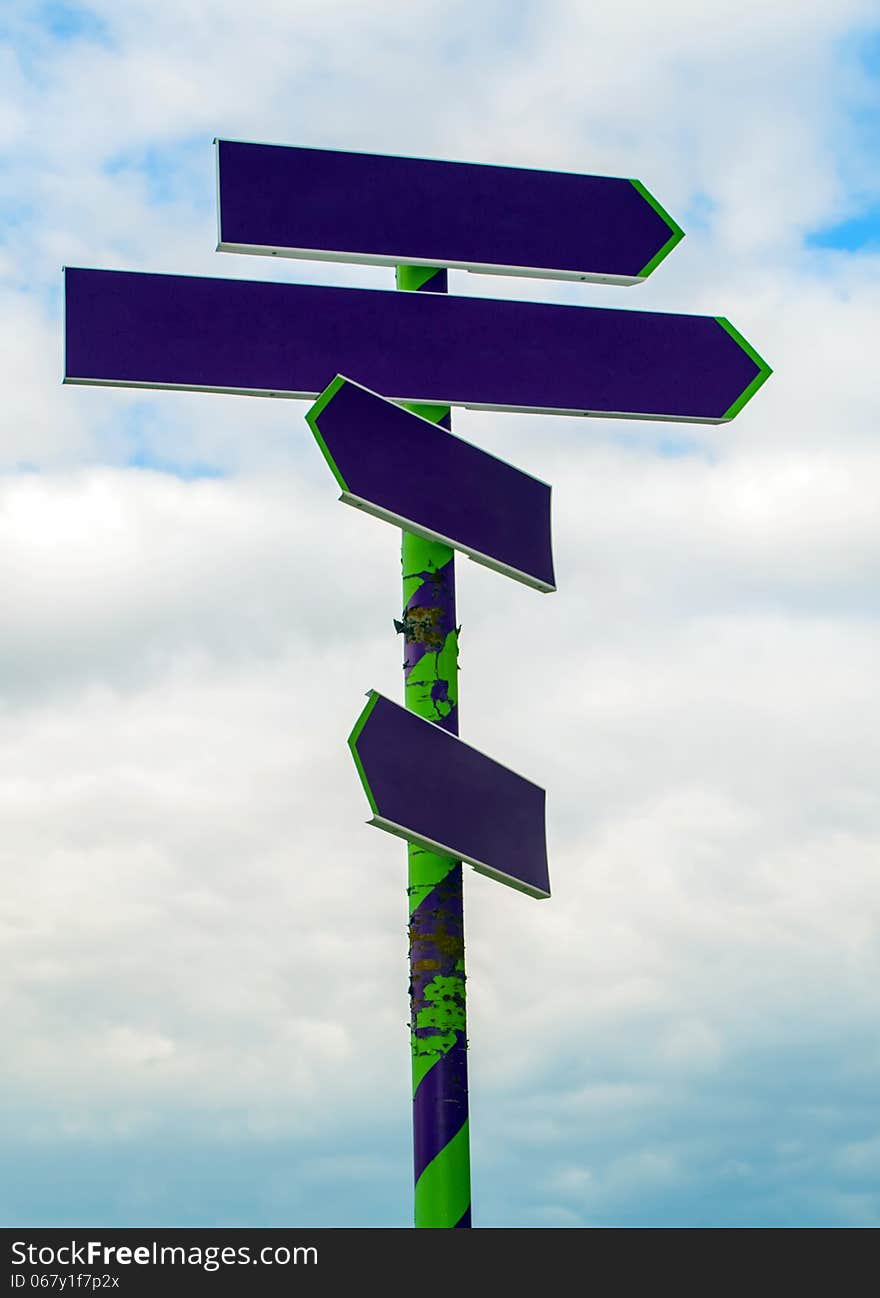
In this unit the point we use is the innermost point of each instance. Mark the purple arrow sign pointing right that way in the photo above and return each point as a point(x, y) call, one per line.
point(425, 785)
point(402, 468)
point(319, 203)
point(236, 335)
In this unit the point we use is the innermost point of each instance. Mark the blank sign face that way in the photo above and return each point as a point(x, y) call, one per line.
point(361, 207)
point(410, 472)
point(218, 335)
point(427, 786)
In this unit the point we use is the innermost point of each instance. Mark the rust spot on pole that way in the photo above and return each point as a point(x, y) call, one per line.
point(421, 625)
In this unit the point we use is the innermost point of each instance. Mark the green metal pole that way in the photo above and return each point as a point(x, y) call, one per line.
point(438, 1030)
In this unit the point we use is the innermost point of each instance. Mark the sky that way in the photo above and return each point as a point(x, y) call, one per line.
point(203, 946)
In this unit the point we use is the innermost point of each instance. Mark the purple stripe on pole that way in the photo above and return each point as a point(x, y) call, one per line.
point(442, 1108)
point(470, 807)
point(291, 339)
point(364, 207)
point(412, 472)
point(428, 619)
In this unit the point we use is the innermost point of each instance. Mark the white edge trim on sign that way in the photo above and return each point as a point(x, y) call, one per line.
point(389, 516)
point(442, 263)
point(421, 401)
point(430, 845)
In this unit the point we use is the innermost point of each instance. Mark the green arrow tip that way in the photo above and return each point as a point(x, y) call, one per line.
point(676, 233)
point(372, 700)
point(312, 415)
point(764, 370)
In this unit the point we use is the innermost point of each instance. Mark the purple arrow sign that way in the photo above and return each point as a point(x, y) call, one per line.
point(217, 335)
point(469, 807)
point(361, 207)
point(402, 468)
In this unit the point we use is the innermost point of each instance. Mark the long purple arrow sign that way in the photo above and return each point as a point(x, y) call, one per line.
point(361, 207)
point(402, 468)
point(425, 785)
point(289, 340)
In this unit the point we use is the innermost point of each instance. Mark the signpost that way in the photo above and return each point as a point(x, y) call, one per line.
point(426, 350)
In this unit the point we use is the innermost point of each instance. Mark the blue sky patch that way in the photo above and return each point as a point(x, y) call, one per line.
point(187, 471)
point(137, 438)
point(173, 171)
point(854, 235)
point(72, 22)
point(667, 444)
point(699, 212)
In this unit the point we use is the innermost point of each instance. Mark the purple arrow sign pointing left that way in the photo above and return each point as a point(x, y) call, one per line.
point(428, 787)
point(402, 468)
